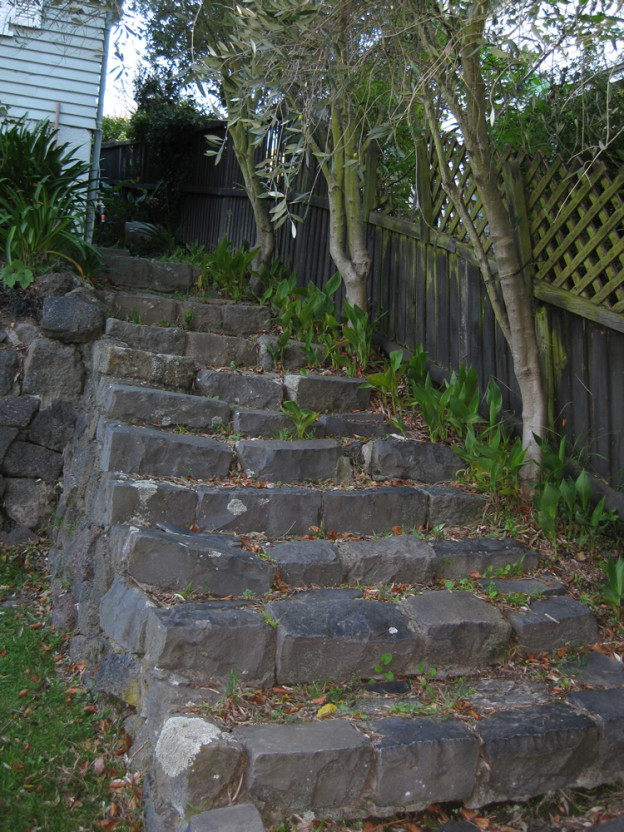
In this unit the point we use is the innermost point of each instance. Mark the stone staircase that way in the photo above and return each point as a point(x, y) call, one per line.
point(213, 562)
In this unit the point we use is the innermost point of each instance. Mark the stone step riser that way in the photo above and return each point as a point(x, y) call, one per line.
point(324, 635)
point(218, 564)
point(280, 511)
point(351, 769)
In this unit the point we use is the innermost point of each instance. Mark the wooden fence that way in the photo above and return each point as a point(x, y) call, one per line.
point(426, 287)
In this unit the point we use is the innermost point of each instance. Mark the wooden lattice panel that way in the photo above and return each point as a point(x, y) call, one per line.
point(577, 231)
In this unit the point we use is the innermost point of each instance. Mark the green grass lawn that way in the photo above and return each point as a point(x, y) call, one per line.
point(62, 754)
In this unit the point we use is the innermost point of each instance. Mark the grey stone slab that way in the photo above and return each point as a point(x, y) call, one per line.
point(132, 404)
point(205, 641)
point(199, 317)
point(194, 765)
point(260, 422)
point(305, 562)
point(453, 507)
point(245, 318)
point(170, 277)
point(525, 586)
point(132, 272)
point(458, 558)
point(7, 436)
point(355, 424)
point(53, 371)
point(195, 562)
point(326, 393)
point(221, 350)
point(143, 308)
point(241, 389)
point(8, 370)
point(290, 460)
point(596, 669)
point(124, 500)
point(137, 450)
point(53, 426)
point(399, 458)
point(531, 751)
point(421, 761)
point(489, 695)
point(338, 640)
point(554, 623)
point(118, 675)
point(169, 340)
point(374, 511)
point(316, 766)
point(456, 632)
point(124, 615)
point(74, 318)
point(25, 459)
point(174, 371)
point(401, 558)
point(606, 708)
point(29, 502)
point(17, 411)
point(242, 818)
point(275, 511)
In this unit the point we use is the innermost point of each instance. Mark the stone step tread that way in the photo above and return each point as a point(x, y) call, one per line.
point(279, 510)
point(332, 635)
point(396, 763)
point(177, 560)
point(211, 315)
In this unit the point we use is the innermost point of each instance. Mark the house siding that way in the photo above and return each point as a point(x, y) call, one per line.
point(57, 65)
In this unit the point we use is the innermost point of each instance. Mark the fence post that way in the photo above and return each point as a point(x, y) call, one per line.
point(423, 190)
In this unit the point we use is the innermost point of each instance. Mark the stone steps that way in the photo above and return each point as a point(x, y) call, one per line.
point(214, 560)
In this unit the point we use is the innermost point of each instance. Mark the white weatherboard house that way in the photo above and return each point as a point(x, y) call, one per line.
point(51, 58)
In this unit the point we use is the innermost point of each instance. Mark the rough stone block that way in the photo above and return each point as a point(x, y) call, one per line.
point(403, 558)
point(169, 340)
point(374, 511)
point(355, 424)
point(453, 507)
point(596, 669)
point(203, 563)
point(245, 318)
point(53, 371)
point(422, 761)
point(458, 558)
point(399, 458)
point(7, 435)
point(338, 639)
point(220, 350)
point(294, 356)
point(73, 319)
point(456, 633)
point(119, 675)
point(170, 277)
point(124, 613)
point(53, 427)
point(294, 768)
point(136, 450)
point(260, 422)
point(291, 460)
point(242, 818)
point(17, 411)
point(326, 393)
point(554, 623)
point(124, 500)
point(195, 762)
point(133, 272)
point(141, 404)
point(8, 369)
point(29, 502)
point(146, 309)
point(205, 641)
point(525, 586)
point(276, 511)
point(531, 751)
point(199, 317)
point(24, 459)
point(305, 562)
point(606, 708)
point(240, 389)
point(162, 370)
